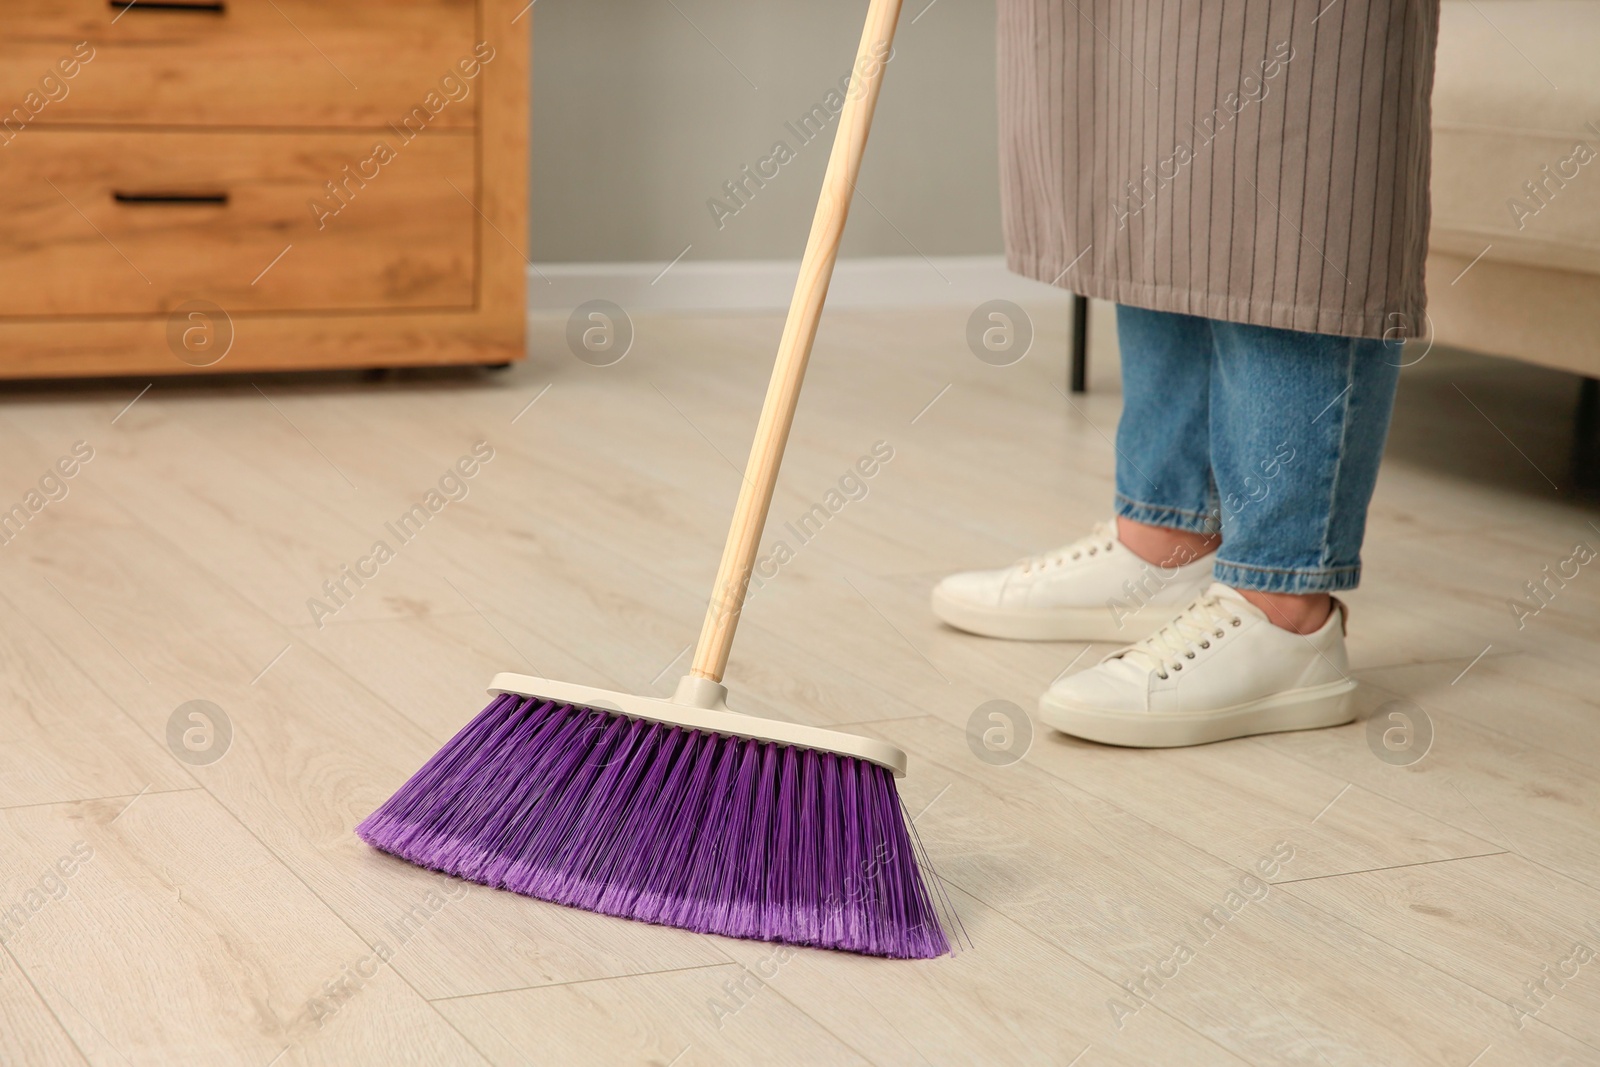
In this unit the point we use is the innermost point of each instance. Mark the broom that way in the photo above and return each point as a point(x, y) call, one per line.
point(680, 811)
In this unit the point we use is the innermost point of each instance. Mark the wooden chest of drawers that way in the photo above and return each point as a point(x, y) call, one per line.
point(244, 185)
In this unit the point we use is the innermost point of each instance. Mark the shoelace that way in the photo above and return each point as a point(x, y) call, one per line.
point(1170, 647)
point(1102, 539)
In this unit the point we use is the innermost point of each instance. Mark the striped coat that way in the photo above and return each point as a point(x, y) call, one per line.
point(1260, 161)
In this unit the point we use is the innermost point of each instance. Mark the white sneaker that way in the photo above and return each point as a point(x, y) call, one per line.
point(1091, 590)
point(1220, 669)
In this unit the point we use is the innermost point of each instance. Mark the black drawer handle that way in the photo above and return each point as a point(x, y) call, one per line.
point(169, 5)
point(220, 199)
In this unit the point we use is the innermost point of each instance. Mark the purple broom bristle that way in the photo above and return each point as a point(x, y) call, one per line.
point(649, 821)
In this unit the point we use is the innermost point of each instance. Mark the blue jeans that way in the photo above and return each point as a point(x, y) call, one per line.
point(1270, 436)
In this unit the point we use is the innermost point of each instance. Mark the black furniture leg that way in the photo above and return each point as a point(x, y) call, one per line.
point(1080, 345)
point(1588, 421)
point(1586, 435)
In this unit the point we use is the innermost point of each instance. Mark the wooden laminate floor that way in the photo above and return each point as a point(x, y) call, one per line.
point(164, 904)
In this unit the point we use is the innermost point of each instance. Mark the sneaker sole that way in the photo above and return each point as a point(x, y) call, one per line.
point(1052, 624)
point(1298, 709)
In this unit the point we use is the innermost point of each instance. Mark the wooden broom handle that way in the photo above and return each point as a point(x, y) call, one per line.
point(794, 349)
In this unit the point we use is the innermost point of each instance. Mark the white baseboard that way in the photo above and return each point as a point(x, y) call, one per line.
point(765, 285)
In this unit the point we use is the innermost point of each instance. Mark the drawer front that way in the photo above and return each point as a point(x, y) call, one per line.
point(240, 62)
point(100, 223)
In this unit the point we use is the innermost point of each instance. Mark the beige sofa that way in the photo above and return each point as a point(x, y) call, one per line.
point(1514, 252)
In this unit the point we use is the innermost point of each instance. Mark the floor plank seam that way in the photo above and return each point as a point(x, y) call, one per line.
point(580, 981)
point(108, 694)
point(1290, 753)
point(90, 800)
point(1205, 850)
point(1000, 910)
point(1052, 942)
point(1450, 974)
point(296, 875)
point(1362, 668)
point(825, 1028)
point(180, 553)
point(1393, 867)
point(306, 628)
point(26, 977)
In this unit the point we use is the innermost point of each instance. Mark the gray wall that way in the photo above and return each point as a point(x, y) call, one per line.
point(638, 121)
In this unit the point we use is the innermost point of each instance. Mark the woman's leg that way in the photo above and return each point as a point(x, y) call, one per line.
point(1295, 426)
point(1298, 422)
point(1166, 499)
point(1120, 584)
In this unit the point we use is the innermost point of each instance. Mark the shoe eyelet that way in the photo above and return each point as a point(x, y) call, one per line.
point(1163, 677)
point(1205, 644)
point(1237, 620)
point(1188, 655)
point(1219, 634)
point(1177, 666)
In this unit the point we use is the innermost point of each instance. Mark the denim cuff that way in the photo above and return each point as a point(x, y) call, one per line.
point(1200, 522)
point(1293, 580)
